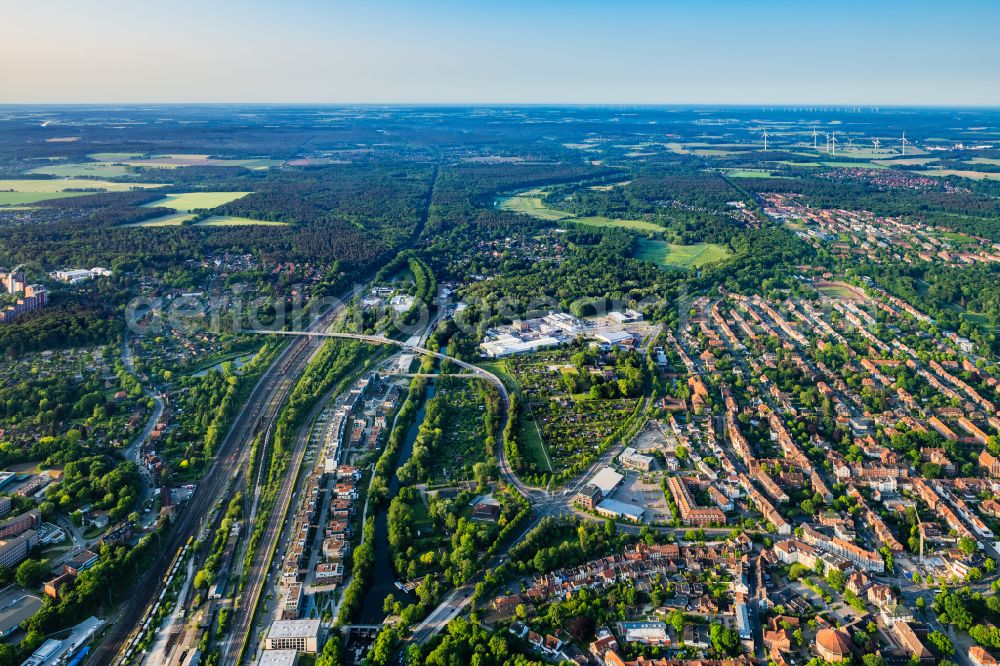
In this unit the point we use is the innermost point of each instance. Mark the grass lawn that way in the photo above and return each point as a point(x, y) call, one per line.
point(961, 239)
point(838, 291)
point(532, 445)
point(979, 319)
point(670, 255)
point(189, 201)
point(114, 164)
point(500, 371)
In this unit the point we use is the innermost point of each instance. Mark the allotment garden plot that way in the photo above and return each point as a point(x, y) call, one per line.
point(463, 438)
point(573, 425)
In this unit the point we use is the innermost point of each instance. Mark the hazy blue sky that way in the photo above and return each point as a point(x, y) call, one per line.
point(875, 52)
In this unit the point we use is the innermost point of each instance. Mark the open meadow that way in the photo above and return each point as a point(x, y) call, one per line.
point(973, 175)
point(191, 201)
point(18, 192)
point(180, 218)
point(82, 170)
point(531, 203)
point(670, 255)
point(168, 220)
point(232, 221)
point(78, 186)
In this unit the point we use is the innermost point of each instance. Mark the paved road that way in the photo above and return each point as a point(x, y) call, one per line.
point(132, 451)
point(259, 411)
point(530, 492)
point(261, 573)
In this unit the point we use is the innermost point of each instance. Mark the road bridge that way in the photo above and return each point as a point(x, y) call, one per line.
point(531, 493)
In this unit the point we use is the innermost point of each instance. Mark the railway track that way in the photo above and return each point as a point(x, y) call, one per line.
point(259, 412)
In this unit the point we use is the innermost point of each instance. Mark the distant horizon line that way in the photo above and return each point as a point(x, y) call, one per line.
point(767, 106)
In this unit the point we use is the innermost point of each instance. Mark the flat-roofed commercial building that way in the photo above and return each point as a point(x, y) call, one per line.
point(610, 508)
point(278, 658)
point(16, 606)
point(298, 635)
point(650, 633)
point(12, 551)
point(608, 481)
point(18, 524)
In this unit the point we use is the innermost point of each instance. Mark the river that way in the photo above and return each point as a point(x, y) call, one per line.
point(383, 580)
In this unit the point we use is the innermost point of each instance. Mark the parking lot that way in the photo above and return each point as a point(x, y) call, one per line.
point(647, 494)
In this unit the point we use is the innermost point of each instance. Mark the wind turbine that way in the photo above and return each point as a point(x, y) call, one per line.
point(814, 138)
point(765, 139)
point(827, 142)
point(833, 143)
point(875, 142)
point(850, 143)
point(903, 142)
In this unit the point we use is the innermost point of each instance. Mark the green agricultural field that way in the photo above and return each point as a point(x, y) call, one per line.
point(530, 203)
point(62, 185)
point(113, 157)
point(21, 192)
point(168, 220)
point(752, 173)
point(601, 221)
point(984, 160)
point(83, 170)
point(21, 198)
point(714, 152)
point(670, 255)
point(184, 160)
point(231, 221)
point(863, 153)
point(179, 218)
point(798, 164)
point(609, 186)
point(907, 161)
point(974, 175)
point(113, 165)
point(853, 165)
point(189, 201)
